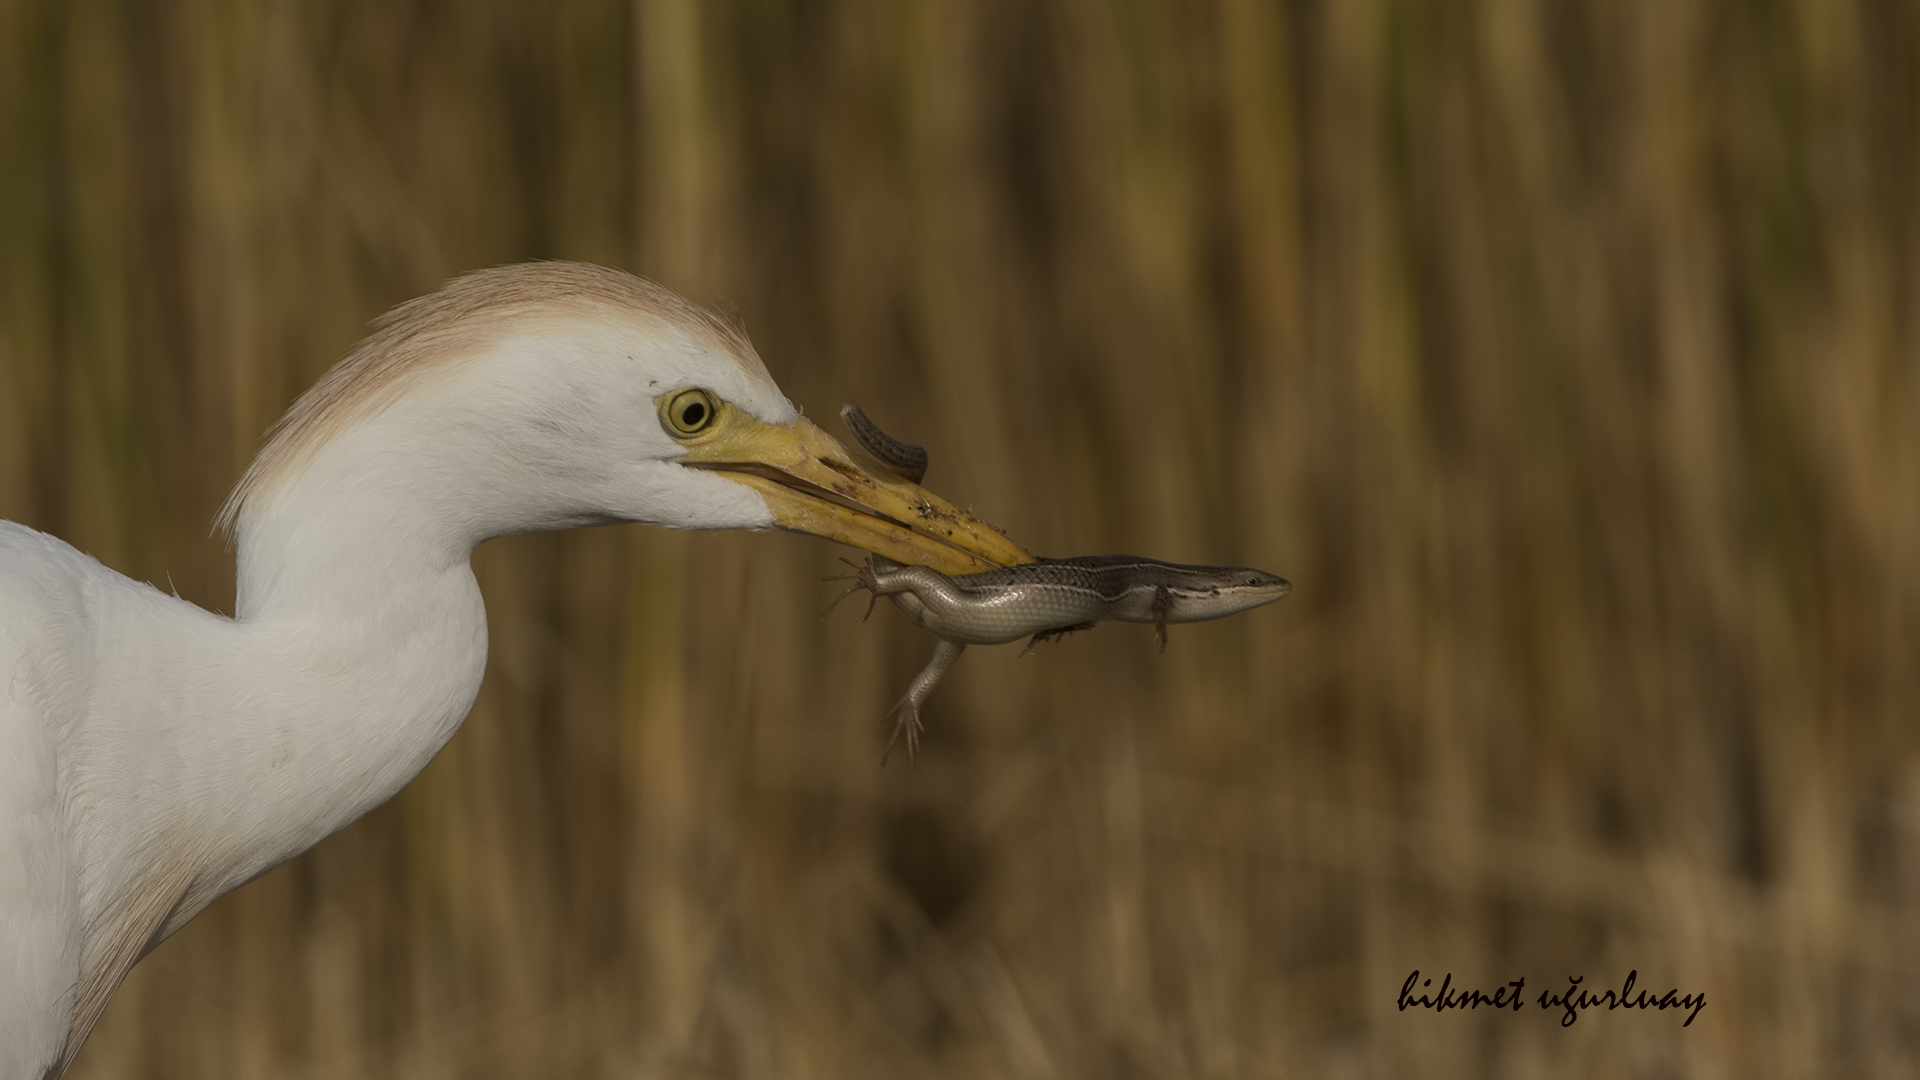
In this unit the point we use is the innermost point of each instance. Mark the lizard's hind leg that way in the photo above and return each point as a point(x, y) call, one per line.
point(1162, 607)
point(944, 654)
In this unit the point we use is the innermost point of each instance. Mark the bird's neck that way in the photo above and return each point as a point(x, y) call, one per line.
point(221, 748)
point(357, 649)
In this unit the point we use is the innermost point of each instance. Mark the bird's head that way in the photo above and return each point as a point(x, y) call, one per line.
point(549, 395)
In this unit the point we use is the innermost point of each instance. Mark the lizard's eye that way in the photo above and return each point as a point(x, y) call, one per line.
point(1253, 581)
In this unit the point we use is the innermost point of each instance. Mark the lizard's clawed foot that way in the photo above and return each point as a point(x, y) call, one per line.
point(909, 722)
point(908, 708)
point(1054, 634)
point(870, 581)
point(864, 578)
point(1162, 608)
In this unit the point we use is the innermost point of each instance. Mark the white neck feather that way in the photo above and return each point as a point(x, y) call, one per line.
point(358, 647)
point(233, 745)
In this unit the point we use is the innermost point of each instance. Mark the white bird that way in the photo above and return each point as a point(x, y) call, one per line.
point(154, 755)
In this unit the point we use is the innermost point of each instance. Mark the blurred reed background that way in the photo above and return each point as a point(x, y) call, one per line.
point(1562, 353)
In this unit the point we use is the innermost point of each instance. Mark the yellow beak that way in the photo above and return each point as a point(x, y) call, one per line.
point(814, 484)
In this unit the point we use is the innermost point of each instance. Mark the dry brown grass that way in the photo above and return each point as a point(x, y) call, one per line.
point(1566, 355)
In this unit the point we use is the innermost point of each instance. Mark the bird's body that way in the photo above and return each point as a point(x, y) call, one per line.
point(154, 755)
point(171, 755)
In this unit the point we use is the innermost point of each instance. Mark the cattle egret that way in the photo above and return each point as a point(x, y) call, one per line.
point(154, 756)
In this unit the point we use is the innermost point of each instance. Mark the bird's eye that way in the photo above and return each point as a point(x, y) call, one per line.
point(689, 412)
